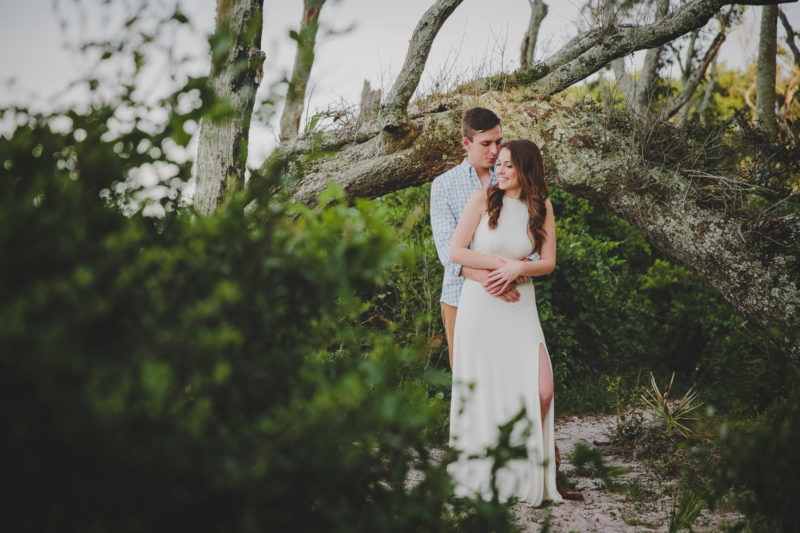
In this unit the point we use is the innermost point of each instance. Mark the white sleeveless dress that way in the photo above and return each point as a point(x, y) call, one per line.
point(496, 374)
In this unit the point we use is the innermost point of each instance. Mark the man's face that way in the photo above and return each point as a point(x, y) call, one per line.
point(482, 150)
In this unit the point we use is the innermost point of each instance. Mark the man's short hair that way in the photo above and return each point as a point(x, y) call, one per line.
point(477, 120)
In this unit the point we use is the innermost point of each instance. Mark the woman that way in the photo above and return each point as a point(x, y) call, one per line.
point(500, 362)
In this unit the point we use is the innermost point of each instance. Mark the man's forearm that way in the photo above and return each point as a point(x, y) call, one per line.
point(475, 274)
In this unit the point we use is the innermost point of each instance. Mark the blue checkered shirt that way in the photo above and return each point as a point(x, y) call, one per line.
point(449, 195)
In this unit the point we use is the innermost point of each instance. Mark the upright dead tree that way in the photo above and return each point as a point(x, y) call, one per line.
point(295, 95)
point(538, 13)
point(236, 72)
point(370, 103)
point(766, 72)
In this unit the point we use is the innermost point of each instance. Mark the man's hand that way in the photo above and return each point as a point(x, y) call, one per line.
point(510, 294)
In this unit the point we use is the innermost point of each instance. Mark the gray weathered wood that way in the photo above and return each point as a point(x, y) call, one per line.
point(538, 13)
point(303, 61)
point(393, 111)
point(236, 72)
point(370, 103)
point(611, 43)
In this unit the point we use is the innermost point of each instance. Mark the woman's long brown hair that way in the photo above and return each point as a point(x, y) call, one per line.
point(527, 161)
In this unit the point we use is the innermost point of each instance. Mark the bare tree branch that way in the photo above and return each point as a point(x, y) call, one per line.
point(303, 61)
point(393, 112)
point(790, 35)
point(576, 46)
point(691, 84)
point(236, 72)
point(538, 13)
point(611, 43)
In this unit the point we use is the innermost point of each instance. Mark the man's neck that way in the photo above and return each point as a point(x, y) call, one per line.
point(484, 176)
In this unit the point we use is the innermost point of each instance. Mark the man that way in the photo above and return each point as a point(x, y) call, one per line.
point(481, 136)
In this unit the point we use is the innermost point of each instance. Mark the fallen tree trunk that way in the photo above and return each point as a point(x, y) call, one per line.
point(586, 157)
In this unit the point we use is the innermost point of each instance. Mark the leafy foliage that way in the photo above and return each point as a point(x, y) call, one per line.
point(589, 462)
point(208, 373)
point(611, 308)
point(759, 461)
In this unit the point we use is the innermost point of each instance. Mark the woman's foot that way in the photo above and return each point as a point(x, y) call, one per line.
point(565, 492)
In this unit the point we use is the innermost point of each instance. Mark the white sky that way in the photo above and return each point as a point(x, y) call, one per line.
point(480, 36)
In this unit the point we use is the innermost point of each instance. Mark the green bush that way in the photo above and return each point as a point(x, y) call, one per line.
point(200, 373)
point(613, 307)
point(760, 462)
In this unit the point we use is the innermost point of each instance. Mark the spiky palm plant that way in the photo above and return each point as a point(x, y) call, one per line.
point(675, 416)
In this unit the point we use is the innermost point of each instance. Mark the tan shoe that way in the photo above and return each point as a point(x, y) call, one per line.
point(564, 491)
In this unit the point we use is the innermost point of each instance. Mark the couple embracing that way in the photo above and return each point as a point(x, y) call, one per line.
point(493, 227)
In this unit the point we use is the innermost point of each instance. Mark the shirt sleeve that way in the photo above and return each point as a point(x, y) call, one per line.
point(534, 256)
point(443, 225)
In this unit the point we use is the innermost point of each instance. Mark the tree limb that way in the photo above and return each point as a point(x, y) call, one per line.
point(691, 84)
point(303, 61)
point(611, 43)
point(393, 112)
point(538, 13)
point(790, 34)
point(236, 72)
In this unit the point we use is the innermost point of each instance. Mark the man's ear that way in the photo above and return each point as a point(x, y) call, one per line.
point(465, 142)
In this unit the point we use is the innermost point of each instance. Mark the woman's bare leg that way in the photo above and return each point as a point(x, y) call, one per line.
point(545, 381)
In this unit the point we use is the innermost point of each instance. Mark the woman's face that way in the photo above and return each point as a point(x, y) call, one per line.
point(507, 174)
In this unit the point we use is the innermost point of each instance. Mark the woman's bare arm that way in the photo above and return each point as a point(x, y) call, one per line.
point(512, 270)
point(465, 230)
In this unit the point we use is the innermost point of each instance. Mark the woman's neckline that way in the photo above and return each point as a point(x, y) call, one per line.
point(510, 198)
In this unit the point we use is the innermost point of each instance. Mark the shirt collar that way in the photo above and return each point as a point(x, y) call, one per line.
point(473, 174)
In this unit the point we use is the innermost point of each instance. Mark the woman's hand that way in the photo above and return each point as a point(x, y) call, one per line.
point(501, 278)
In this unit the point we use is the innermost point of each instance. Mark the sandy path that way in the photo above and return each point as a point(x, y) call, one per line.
point(603, 510)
